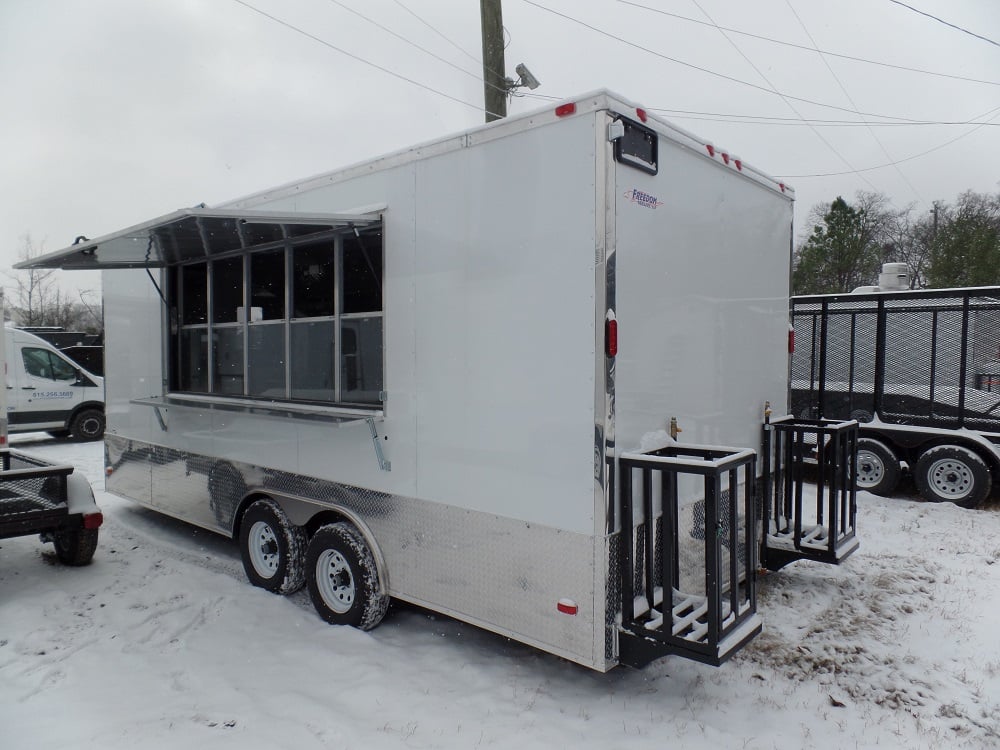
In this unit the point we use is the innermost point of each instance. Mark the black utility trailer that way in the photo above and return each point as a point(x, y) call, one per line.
point(46, 499)
point(920, 372)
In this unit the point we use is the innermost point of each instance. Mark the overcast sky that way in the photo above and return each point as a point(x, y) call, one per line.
point(117, 111)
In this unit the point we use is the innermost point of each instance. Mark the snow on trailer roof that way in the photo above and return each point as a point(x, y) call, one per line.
point(594, 101)
point(192, 233)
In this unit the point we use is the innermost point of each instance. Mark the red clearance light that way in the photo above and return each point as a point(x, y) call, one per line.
point(725, 156)
point(739, 164)
point(642, 114)
point(565, 109)
point(782, 186)
point(791, 340)
point(611, 337)
point(93, 520)
point(567, 606)
point(711, 149)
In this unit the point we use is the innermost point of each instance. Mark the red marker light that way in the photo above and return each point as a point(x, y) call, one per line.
point(611, 337)
point(725, 156)
point(791, 340)
point(642, 114)
point(782, 186)
point(567, 606)
point(93, 520)
point(565, 109)
point(711, 149)
point(739, 164)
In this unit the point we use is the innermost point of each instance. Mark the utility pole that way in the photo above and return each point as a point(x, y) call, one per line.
point(494, 78)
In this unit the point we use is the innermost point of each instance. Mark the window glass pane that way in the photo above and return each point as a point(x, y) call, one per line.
point(41, 363)
point(194, 283)
point(194, 360)
point(228, 360)
point(363, 273)
point(267, 285)
point(313, 361)
point(227, 289)
point(361, 360)
point(313, 282)
point(266, 366)
point(61, 369)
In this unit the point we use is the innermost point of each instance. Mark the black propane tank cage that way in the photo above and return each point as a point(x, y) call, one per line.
point(795, 525)
point(687, 586)
point(698, 524)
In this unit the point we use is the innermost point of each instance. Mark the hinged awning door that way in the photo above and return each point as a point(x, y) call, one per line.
point(196, 233)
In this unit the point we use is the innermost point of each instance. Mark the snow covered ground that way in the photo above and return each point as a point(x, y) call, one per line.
point(161, 643)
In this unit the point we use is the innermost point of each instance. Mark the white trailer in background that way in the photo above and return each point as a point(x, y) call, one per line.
point(446, 376)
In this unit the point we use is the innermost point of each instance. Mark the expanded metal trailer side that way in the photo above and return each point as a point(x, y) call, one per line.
point(920, 371)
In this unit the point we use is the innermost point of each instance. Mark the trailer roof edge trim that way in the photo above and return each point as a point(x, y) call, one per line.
point(197, 233)
point(585, 104)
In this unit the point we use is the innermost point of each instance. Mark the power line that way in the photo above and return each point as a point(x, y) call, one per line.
point(412, 43)
point(853, 104)
point(440, 34)
point(356, 57)
point(946, 23)
point(706, 70)
point(812, 49)
point(687, 114)
point(908, 158)
point(787, 102)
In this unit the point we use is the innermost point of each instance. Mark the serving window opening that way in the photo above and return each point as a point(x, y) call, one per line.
point(298, 320)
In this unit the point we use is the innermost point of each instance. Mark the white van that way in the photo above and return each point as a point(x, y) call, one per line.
point(47, 391)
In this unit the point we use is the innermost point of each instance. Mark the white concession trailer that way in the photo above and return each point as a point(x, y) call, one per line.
point(493, 375)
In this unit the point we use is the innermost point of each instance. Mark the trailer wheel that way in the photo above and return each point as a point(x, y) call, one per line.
point(343, 578)
point(88, 425)
point(878, 469)
point(272, 548)
point(75, 546)
point(948, 473)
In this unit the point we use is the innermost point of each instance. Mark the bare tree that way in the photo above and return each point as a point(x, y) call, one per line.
point(37, 299)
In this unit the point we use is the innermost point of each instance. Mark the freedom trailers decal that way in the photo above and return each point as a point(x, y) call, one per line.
point(643, 199)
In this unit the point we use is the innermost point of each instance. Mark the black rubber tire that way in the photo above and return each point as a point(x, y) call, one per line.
point(339, 551)
point(75, 546)
point(272, 548)
point(87, 425)
point(949, 473)
point(878, 469)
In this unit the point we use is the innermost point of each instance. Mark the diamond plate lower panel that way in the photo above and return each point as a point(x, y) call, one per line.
point(499, 573)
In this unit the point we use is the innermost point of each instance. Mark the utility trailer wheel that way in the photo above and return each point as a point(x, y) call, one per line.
point(272, 548)
point(948, 473)
point(343, 578)
point(88, 425)
point(75, 546)
point(878, 469)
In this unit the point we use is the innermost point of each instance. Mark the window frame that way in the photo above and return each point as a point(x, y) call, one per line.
point(177, 357)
